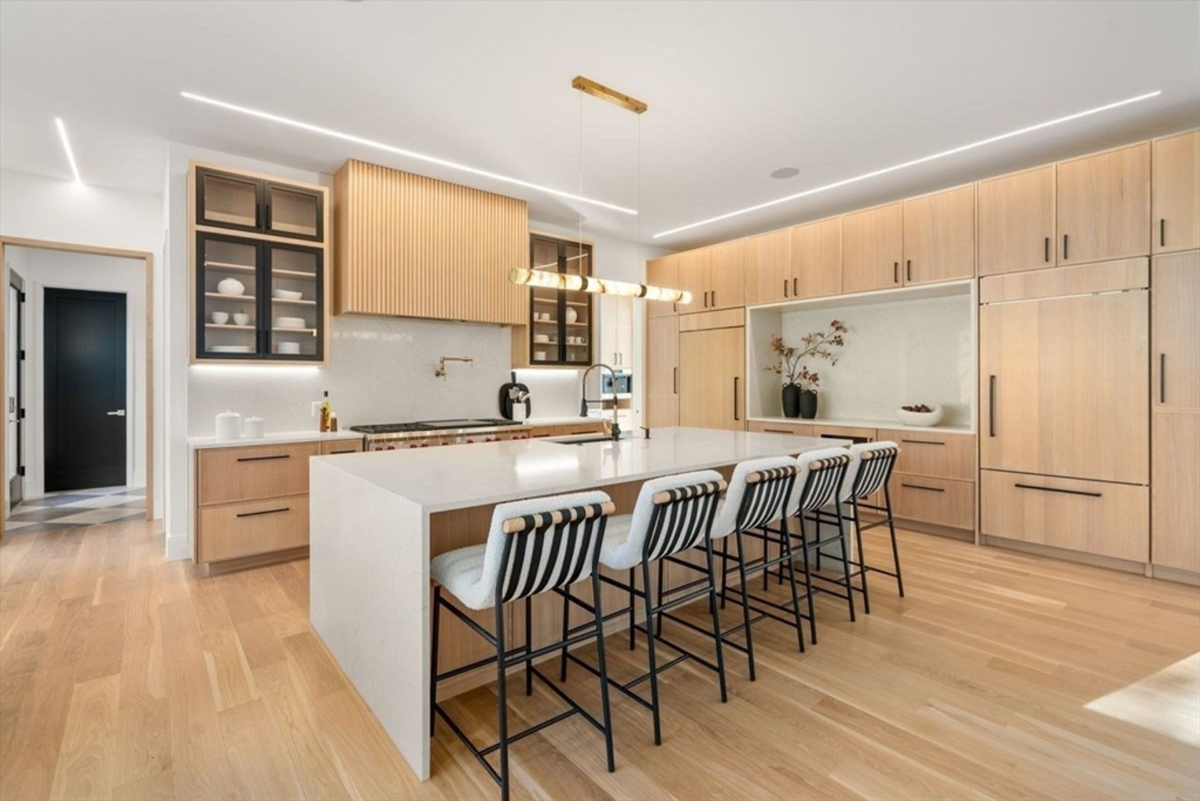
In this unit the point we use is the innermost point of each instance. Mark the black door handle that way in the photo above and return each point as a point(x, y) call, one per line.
point(991, 405)
point(268, 225)
point(1162, 378)
point(675, 379)
point(347, 450)
point(714, 298)
point(927, 489)
point(265, 512)
point(1046, 250)
point(785, 294)
point(795, 287)
point(1162, 233)
point(1064, 247)
point(895, 272)
point(735, 398)
point(264, 458)
point(1056, 489)
point(908, 270)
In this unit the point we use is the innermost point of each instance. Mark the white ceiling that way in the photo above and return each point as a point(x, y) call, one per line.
point(736, 90)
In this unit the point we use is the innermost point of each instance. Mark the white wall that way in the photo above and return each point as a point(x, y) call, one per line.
point(36, 207)
point(42, 269)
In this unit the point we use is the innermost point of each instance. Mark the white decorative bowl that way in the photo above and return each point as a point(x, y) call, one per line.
point(923, 419)
point(289, 322)
point(288, 348)
point(220, 318)
point(241, 318)
point(286, 294)
point(231, 286)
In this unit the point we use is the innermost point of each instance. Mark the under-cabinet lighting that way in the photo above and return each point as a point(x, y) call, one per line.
point(66, 143)
point(258, 370)
point(876, 173)
point(359, 140)
point(602, 286)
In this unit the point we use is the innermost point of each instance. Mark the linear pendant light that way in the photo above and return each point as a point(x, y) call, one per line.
point(924, 159)
point(412, 154)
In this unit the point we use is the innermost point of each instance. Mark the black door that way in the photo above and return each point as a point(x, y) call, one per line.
point(85, 389)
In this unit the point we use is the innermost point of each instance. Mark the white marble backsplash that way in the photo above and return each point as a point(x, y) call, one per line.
point(380, 370)
point(900, 353)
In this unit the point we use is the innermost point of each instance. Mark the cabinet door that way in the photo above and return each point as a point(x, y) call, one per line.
point(664, 273)
point(768, 274)
point(228, 292)
point(1176, 193)
point(662, 372)
point(1016, 222)
point(228, 201)
point(1062, 386)
point(1175, 282)
point(296, 299)
point(817, 259)
point(1104, 206)
point(872, 248)
point(939, 236)
point(293, 212)
point(711, 378)
point(1174, 500)
point(727, 274)
point(694, 277)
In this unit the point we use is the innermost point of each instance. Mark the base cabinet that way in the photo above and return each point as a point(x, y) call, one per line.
point(933, 500)
point(256, 527)
point(712, 378)
point(1175, 491)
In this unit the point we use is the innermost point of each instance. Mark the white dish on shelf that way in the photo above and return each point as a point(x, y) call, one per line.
point(290, 322)
point(231, 286)
point(286, 294)
point(539, 355)
point(541, 338)
point(241, 318)
point(288, 348)
point(220, 318)
point(230, 349)
point(923, 419)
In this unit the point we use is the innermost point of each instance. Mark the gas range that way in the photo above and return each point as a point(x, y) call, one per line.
point(426, 433)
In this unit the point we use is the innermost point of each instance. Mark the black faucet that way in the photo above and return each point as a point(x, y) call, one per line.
point(583, 404)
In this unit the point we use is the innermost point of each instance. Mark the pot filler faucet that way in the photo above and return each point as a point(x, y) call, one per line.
point(583, 404)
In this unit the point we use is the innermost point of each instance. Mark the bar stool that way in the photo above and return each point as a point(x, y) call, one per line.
point(533, 546)
point(672, 514)
point(869, 472)
point(758, 494)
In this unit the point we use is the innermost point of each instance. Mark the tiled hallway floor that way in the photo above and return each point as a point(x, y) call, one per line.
point(77, 508)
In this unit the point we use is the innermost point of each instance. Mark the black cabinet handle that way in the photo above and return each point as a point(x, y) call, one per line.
point(991, 405)
point(1162, 378)
point(1065, 247)
point(735, 398)
point(268, 225)
point(927, 489)
point(675, 379)
point(1046, 250)
point(714, 298)
point(922, 442)
point(908, 270)
point(257, 215)
point(265, 512)
point(706, 300)
point(264, 458)
point(795, 286)
point(775, 431)
point(895, 272)
point(785, 294)
point(1056, 489)
point(1162, 232)
point(347, 450)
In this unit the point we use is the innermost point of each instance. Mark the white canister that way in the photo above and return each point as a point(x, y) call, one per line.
point(255, 428)
point(229, 426)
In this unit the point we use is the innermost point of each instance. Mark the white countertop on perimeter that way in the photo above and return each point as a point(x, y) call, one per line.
point(438, 479)
point(273, 438)
point(890, 425)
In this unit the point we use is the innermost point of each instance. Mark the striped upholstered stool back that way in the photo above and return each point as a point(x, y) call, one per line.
point(550, 549)
point(821, 476)
point(872, 467)
point(765, 496)
point(682, 517)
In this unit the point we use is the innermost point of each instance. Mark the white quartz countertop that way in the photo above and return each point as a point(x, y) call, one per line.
point(274, 438)
point(561, 421)
point(438, 479)
point(891, 425)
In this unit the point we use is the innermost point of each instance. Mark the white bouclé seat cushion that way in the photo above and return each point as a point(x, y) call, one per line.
point(470, 574)
point(726, 520)
point(625, 538)
point(856, 451)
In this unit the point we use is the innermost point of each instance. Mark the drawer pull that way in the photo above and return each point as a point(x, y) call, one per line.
point(775, 431)
point(927, 489)
point(1046, 250)
point(922, 442)
point(264, 458)
point(265, 512)
point(347, 450)
point(1056, 489)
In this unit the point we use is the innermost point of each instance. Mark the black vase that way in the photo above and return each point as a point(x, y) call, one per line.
point(791, 400)
point(808, 403)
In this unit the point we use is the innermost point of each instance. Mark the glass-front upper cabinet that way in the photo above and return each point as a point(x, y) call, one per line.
point(228, 200)
point(560, 327)
point(293, 212)
point(295, 276)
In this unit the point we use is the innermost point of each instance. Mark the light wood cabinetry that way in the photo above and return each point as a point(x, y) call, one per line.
point(1176, 193)
point(694, 275)
point(769, 275)
point(817, 259)
point(928, 453)
point(412, 246)
point(772, 427)
point(662, 371)
point(1016, 222)
point(663, 272)
point(939, 236)
point(933, 500)
point(1175, 492)
point(250, 473)
point(856, 435)
point(1090, 516)
point(616, 331)
point(1175, 363)
point(1062, 386)
point(1103, 206)
point(244, 529)
point(872, 248)
point(727, 274)
point(712, 381)
point(341, 446)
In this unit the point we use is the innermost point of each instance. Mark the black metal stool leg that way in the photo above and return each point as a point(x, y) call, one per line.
point(786, 547)
point(649, 608)
point(744, 590)
point(724, 567)
point(501, 702)
point(887, 497)
point(608, 738)
point(437, 613)
point(529, 646)
point(845, 560)
point(862, 557)
point(632, 616)
point(716, 617)
point(808, 585)
point(661, 591)
point(566, 632)
point(817, 538)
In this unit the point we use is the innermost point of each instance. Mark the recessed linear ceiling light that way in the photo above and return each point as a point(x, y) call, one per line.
point(358, 140)
point(912, 163)
point(66, 143)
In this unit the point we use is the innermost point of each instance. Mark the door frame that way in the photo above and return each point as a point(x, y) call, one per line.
point(148, 402)
point(16, 281)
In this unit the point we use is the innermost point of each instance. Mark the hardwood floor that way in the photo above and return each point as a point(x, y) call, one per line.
point(1001, 675)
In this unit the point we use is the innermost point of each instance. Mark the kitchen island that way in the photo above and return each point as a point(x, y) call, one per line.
point(377, 519)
